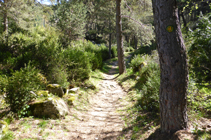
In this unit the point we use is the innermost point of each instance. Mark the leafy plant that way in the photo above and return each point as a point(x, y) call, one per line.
point(148, 96)
point(200, 52)
point(20, 86)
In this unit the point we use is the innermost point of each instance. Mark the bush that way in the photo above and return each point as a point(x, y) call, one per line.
point(200, 52)
point(199, 98)
point(20, 84)
point(114, 51)
point(137, 61)
point(150, 79)
point(3, 84)
point(78, 64)
point(129, 49)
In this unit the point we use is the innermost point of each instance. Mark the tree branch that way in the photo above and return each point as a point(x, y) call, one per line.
point(134, 20)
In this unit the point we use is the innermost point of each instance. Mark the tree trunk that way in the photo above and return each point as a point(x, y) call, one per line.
point(5, 18)
point(135, 42)
point(173, 65)
point(120, 49)
point(184, 21)
point(109, 38)
point(109, 45)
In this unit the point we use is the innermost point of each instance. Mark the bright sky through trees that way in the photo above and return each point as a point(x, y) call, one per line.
point(47, 2)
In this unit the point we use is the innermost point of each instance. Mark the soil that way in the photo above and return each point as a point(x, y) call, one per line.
point(100, 120)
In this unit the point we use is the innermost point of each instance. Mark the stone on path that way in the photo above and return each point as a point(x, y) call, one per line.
point(53, 107)
point(55, 89)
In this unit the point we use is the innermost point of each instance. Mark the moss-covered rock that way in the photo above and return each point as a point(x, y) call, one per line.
point(53, 107)
point(42, 93)
point(73, 90)
point(70, 100)
point(55, 89)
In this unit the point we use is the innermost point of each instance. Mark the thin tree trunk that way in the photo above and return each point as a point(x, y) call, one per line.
point(5, 18)
point(109, 38)
point(135, 42)
point(184, 21)
point(120, 49)
point(173, 65)
point(109, 45)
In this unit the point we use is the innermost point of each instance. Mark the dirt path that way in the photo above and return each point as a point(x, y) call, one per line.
point(99, 121)
point(102, 121)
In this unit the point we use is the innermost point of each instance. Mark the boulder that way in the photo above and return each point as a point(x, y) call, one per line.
point(73, 90)
point(3, 128)
point(42, 93)
point(53, 107)
point(55, 89)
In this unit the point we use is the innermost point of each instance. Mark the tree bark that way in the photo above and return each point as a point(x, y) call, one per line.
point(120, 49)
point(173, 65)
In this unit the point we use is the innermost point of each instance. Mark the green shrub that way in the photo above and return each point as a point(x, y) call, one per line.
point(114, 51)
point(20, 84)
point(200, 52)
point(8, 136)
point(150, 83)
point(129, 49)
point(137, 61)
point(3, 84)
point(59, 76)
point(199, 98)
point(78, 64)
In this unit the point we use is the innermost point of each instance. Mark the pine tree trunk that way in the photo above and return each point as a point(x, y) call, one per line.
point(120, 49)
point(173, 65)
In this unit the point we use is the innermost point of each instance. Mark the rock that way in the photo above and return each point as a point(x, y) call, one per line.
point(74, 90)
point(53, 107)
point(32, 92)
point(70, 100)
point(183, 135)
point(55, 89)
point(42, 93)
point(3, 128)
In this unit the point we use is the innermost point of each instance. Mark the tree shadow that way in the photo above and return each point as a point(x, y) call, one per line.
point(158, 135)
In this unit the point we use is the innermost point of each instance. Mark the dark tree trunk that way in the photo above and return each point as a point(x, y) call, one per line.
point(135, 42)
point(184, 21)
point(173, 65)
point(120, 49)
point(109, 45)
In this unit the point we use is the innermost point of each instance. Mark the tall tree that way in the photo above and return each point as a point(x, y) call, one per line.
point(120, 50)
point(173, 65)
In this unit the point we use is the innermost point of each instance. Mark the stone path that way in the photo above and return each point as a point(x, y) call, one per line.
point(102, 121)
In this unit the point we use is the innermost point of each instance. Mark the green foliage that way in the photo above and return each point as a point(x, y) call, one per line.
point(114, 51)
point(148, 96)
point(199, 99)
point(136, 62)
point(8, 136)
point(70, 18)
point(3, 84)
point(200, 52)
point(20, 84)
point(129, 49)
